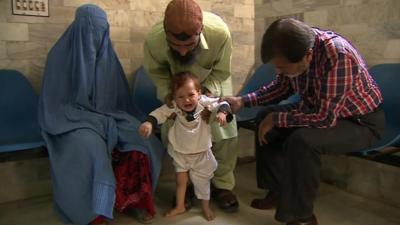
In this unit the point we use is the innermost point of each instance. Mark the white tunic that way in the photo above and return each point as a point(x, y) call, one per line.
point(188, 137)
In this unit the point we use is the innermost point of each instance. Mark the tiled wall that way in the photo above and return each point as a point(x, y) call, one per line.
point(25, 40)
point(373, 26)
point(363, 177)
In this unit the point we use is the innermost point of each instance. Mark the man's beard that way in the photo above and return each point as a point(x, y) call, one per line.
point(188, 59)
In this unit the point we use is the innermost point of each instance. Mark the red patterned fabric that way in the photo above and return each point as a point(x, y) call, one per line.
point(133, 176)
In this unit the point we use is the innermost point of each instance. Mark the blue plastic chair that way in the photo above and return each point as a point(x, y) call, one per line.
point(387, 76)
point(19, 128)
point(144, 95)
point(264, 75)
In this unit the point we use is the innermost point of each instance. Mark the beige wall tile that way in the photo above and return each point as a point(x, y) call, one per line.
point(120, 34)
point(139, 34)
point(243, 38)
point(118, 18)
point(222, 10)
point(77, 3)
point(126, 65)
point(122, 49)
point(46, 32)
point(245, 2)
point(5, 9)
point(151, 6)
point(245, 11)
point(3, 51)
point(246, 143)
point(144, 19)
point(317, 18)
point(105, 4)
point(392, 49)
point(13, 32)
point(205, 5)
point(26, 50)
point(351, 2)
point(35, 73)
point(25, 179)
point(240, 24)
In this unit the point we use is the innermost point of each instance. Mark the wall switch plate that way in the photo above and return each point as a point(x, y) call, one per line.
point(30, 7)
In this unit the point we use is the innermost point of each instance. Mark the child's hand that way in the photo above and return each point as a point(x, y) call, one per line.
point(145, 129)
point(221, 118)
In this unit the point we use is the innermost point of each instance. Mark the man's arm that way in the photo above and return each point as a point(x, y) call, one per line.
point(213, 104)
point(158, 72)
point(276, 91)
point(221, 69)
point(335, 84)
point(160, 115)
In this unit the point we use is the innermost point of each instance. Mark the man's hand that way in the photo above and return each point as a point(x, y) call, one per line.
point(206, 114)
point(145, 129)
point(236, 103)
point(172, 116)
point(207, 93)
point(221, 118)
point(168, 100)
point(265, 126)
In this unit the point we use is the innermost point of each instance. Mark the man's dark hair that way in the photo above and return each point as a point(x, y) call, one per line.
point(287, 37)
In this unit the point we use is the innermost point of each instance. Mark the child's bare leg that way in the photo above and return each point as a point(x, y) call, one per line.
point(207, 212)
point(181, 184)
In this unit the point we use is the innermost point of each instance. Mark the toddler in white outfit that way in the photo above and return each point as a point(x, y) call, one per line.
point(189, 138)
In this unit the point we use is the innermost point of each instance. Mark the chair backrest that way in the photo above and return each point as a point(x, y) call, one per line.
point(144, 95)
point(19, 127)
point(18, 100)
point(387, 76)
point(262, 76)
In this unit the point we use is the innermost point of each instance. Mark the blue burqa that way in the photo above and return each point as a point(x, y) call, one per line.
point(85, 111)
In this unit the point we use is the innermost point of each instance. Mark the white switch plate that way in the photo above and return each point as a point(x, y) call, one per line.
point(30, 7)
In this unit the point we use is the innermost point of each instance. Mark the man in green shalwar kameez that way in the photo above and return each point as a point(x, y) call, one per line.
point(189, 39)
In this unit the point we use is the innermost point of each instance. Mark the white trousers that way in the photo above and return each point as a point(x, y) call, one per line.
point(201, 167)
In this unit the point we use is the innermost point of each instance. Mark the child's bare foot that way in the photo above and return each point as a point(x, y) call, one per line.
point(208, 214)
point(175, 211)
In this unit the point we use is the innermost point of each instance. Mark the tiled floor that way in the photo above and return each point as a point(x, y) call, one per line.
point(333, 207)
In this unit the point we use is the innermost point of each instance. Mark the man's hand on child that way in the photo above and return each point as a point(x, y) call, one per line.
point(168, 100)
point(206, 114)
point(221, 118)
point(236, 103)
point(145, 129)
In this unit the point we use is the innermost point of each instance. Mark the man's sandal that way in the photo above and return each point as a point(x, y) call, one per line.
point(226, 200)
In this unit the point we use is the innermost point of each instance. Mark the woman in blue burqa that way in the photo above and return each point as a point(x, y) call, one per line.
point(98, 160)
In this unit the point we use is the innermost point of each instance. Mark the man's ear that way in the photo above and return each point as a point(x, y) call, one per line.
point(309, 55)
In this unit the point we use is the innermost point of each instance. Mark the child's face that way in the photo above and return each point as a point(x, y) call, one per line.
point(187, 97)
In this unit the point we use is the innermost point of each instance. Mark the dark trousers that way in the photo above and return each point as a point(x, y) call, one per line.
point(290, 163)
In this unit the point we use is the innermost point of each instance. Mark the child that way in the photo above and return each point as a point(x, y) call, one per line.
point(189, 138)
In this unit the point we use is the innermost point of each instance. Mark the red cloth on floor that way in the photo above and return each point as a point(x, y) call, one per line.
point(133, 176)
point(98, 220)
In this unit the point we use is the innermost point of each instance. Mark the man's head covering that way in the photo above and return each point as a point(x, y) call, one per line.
point(183, 16)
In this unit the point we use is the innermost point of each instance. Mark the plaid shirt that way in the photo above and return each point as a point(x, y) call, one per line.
point(337, 85)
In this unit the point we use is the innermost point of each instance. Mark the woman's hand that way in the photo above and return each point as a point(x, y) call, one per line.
point(145, 129)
